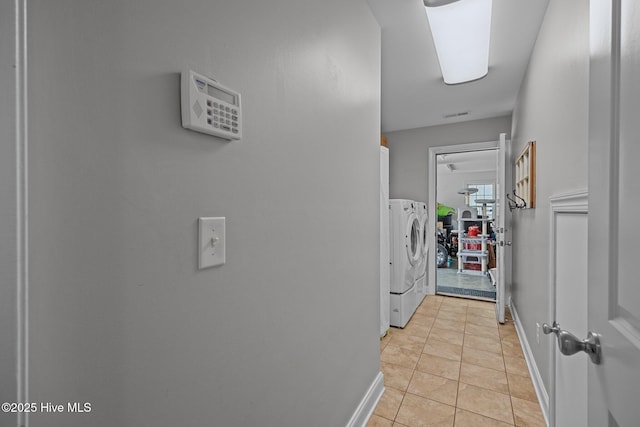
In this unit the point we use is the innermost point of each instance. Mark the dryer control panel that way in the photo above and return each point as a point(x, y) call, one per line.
point(209, 107)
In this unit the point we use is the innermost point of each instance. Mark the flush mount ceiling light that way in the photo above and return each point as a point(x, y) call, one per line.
point(461, 32)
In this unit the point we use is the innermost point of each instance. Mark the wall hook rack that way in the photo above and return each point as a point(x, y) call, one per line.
point(516, 202)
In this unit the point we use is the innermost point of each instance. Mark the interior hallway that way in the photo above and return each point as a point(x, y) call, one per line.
point(454, 365)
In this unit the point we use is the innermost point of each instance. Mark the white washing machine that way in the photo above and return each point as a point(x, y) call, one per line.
point(405, 254)
point(421, 268)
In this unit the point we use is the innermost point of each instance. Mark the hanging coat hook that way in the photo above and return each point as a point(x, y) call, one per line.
point(516, 202)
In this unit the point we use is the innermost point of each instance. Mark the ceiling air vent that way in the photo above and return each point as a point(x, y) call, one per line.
point(449, 116)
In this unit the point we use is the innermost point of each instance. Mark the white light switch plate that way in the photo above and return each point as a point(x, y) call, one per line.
point(211, 242)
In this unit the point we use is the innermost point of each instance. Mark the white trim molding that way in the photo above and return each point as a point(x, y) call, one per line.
point(432, 204)
point(22, 207)
point(368, 403)
point(568, 203)
point(534, 372)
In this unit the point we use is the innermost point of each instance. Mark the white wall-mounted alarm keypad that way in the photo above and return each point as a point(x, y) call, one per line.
point(209, 107)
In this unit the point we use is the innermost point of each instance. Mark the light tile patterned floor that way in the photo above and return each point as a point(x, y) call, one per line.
point(454, 365)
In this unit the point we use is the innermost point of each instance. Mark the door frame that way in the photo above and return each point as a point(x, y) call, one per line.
point(563, 204)
point(15, 198)
point(432, 208)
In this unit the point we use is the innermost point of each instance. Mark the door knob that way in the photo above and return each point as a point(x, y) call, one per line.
point(570, 344)
point(555, 328)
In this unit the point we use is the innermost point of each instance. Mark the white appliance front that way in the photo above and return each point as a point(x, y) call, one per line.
point(421, 288)
point(405, 244)
point(423, 217)
point(403, 306)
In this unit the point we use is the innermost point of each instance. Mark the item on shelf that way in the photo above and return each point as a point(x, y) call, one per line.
point(473, 254)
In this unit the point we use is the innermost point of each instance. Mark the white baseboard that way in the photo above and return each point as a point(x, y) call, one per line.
point(368, 403)
point(536, 378)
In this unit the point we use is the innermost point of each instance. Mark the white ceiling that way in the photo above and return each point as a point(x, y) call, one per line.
point(472, 161)
point(413, 92)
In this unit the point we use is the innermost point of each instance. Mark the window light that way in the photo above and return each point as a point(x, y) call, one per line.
point(461, 32)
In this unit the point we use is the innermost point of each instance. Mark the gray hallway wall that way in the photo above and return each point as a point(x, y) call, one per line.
point(409, 151)
point(284, 334)
point(552, 109)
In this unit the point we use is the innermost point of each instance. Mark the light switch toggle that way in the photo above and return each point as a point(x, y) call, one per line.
point(211, 242)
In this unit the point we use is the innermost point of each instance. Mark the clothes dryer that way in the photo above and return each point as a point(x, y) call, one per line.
point(421, 266)
point(405, 254)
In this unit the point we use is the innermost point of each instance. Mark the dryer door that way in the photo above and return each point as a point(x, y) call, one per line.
point(412, 239)
point(423, 236)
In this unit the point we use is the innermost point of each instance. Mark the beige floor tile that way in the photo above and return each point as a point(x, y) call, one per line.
point(516, 366)
point(453, 308)
point(507, 331)
point(378, 421)
point(512, 349)
point(483, 358)
point(511, 337)
point(434, 387)
point(422, 388)
point(437, 365)
point(396, 376)
point(451, 315)
point(400, 356)
point(527, 413)
point(522, 388)
point(484, 377)
point(410, 342)
point(449, 301)
point(482, 312)
point(428, 309)
point(417, 330)
point(385, 340)
point(389, 403)
point(490, 344)
point(488, 305)
point(481, 331)
point(420, 331)
point(431, 301)
point(485, 402)
point(454, 325)
point(417, 411)
point(469, 419)
point(482, 321)
point(453, 337)
point(442, 349)
point(507, 327)
point(423, 319)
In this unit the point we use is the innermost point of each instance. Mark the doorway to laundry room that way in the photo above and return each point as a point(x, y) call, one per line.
point(465, 229)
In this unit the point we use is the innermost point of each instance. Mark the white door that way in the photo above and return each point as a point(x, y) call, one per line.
point(614, 211)
point(500, 221)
